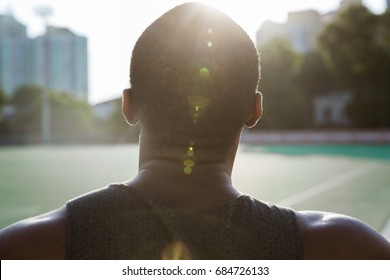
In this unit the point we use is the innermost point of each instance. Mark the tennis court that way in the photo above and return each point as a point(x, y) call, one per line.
point(352, 180)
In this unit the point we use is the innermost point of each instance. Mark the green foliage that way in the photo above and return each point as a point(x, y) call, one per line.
point(3, 97)
point(27, 104)
point(353, 54)
point(116, 123)
point(383, 39)
point(314, 77)
point(3, 101)
point(117, 127)
point(284, 105)
point(348, 45)
point(71, 119)
point(356, 47)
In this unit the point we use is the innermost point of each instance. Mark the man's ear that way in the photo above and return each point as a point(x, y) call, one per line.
point(256, 111)
point(129, 107)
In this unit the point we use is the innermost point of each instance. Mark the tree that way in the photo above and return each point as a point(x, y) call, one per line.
point(348, 45)
point(356, 47)
point(71, 119)
point(117, 127)
point(27, 105)
point(3, 101)
point(3, 97)
point(314, 77)
point(383, 36)
point(285, 107)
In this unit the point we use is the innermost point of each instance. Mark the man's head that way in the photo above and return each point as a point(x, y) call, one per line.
point(194, 74)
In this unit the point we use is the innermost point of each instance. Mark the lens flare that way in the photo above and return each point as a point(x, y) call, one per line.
point(176, 250)
point(190, 151)
point(187, 170)
point(189, 163)
point(198, 101)
point(189, 159)
point(204, 72)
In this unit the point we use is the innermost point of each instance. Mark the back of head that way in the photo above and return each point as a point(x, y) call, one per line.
point(194, 73)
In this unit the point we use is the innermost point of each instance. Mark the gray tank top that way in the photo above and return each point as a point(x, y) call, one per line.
point(121, 222)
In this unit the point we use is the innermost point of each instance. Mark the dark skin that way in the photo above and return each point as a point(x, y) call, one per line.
point(324, 235)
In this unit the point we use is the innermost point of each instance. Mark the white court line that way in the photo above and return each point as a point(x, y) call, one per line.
point(327, 185)
point(386, 230)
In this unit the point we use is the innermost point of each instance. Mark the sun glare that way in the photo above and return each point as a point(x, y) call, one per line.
point(246, 16)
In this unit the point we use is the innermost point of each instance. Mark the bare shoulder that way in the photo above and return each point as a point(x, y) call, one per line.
point(334, 236)
point(41, 237)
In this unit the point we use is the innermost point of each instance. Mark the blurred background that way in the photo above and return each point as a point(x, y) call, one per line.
point(63, 65)
point(325, 81)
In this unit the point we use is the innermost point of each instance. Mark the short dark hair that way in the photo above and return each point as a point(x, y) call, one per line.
point(194, 73)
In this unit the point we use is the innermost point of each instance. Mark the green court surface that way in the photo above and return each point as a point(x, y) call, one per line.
point(352, 180)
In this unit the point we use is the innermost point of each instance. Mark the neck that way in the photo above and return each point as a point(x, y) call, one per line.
point(198, 153)
point(200, 183)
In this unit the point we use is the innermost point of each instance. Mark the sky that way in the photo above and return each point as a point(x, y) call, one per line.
point(113, 26)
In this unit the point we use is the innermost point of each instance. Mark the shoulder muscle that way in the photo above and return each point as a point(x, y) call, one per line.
point(41, 237)
point(334, 236)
